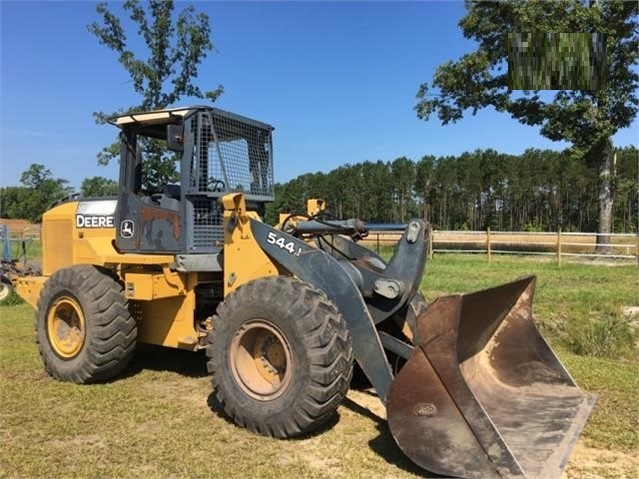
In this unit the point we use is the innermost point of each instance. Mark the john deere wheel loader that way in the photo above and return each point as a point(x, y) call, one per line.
point(283, 312)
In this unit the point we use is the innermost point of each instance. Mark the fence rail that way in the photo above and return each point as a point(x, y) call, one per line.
point(559, 244)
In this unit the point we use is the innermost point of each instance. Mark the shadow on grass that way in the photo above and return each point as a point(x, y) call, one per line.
point(157, 358)
point(384, 444)
point(218, 409)
point(190, 364)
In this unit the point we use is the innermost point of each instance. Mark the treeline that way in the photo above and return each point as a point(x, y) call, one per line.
point(539, 190)
point(39, 189)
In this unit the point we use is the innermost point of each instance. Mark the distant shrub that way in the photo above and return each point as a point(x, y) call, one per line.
point(532, 228)
point(11, 300)
point(609, 337)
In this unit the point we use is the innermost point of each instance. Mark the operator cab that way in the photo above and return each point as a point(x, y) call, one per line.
point(215, 153)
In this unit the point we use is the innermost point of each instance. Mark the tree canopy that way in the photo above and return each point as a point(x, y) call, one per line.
point(38, 191)
point(162, 72)
point(98, 186)
point(539, 190)
point(585, 118)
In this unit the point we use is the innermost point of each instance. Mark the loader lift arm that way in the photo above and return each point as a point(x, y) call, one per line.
point(481, 394)
point(364, 296)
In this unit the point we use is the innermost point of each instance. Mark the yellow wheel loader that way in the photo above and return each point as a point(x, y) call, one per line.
point(284, 312)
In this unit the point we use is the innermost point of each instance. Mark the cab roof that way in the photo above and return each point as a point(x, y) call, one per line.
point(159, 117)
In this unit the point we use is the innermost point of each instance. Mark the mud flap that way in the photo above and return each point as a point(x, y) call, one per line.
point(483, 395)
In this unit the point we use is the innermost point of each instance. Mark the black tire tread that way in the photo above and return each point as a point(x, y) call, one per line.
point(326, 338)
point(111, 330)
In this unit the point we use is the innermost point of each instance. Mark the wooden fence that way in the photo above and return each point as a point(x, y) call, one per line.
point(560, 244)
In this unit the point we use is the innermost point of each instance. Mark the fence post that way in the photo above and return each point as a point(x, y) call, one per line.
point(488, 244)
point(559, 247)
point(430, 244)
point(378, 243)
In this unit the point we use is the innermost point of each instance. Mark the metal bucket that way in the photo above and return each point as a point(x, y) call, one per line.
point(483, 395)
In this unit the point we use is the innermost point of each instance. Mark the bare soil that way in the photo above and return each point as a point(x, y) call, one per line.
point(589, 463)
point(15, 223)
point(19, 227)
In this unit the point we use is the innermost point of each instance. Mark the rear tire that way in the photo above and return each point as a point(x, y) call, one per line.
point(281, 357)
point(84, 330)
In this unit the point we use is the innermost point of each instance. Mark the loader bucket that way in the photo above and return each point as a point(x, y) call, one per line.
point(482, 394)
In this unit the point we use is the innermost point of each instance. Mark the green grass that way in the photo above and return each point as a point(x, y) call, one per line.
point(613, 425)
point(155, 420)
point(33, 248)
point(578, 305)
point(34, 257)
point(11, 300)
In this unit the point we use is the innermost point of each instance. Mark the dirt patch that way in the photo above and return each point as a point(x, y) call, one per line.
point(368, 399)
point(20, 228)
point(16, 224)
point(164, 386)
point(87, 442)
point(329, 466)
point(589, 463)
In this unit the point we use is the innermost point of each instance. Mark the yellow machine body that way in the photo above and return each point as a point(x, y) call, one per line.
point(162, 299)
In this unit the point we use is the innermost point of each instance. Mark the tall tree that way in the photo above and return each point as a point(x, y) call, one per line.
point(97, 186)
point(161, 75)
point(403, 174)
point(378, 190)
point(38, 191)
point(627, 189)
point(585, 118)
point(423, 185)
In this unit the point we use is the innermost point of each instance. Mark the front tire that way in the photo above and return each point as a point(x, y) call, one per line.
point(281, 357)
point(84, 330)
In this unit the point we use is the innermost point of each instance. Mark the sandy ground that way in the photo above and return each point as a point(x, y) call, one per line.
point(589, 463)
point(18, 228)
point(15, 224)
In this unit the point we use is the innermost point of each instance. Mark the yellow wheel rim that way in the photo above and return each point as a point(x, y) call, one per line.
point(66, 327)
point(261, 360)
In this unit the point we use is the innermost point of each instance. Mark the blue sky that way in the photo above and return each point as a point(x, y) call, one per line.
point(337, 80)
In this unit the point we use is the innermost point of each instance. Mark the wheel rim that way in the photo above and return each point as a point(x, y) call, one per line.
point(66, 327)
point(5, 290)
point(261, 360)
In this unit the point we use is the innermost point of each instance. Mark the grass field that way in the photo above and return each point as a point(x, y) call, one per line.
point(32, 247)
point(156, 420)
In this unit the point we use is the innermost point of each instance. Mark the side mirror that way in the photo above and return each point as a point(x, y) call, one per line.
point(175, 137)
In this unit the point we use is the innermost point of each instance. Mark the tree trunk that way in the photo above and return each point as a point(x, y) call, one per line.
point(606, 172)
